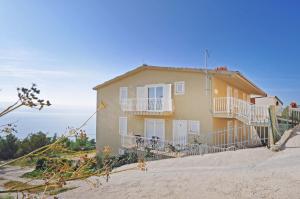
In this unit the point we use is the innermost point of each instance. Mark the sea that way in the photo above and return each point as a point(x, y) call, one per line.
point(51, 120)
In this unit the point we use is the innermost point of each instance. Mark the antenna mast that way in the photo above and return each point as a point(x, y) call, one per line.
point(206, 58)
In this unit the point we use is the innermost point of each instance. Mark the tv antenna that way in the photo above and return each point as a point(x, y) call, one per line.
point(206, 56)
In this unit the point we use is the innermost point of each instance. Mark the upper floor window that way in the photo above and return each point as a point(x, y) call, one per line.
point(179, 88)
point(123, 94)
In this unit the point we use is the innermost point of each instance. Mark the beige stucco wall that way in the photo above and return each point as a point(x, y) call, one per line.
point(193, 105)
point(219, 89)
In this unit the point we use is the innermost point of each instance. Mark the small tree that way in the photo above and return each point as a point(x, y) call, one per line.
point(26, 97)
point(8, 147)
point(32, 142)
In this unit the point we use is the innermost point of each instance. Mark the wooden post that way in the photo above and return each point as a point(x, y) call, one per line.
point(272, 130)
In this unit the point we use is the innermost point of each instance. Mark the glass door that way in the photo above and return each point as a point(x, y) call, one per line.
point(155, 98)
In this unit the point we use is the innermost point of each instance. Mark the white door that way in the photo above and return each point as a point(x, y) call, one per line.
point(180, 132)
point(123, 128)
point(235, 102)
point(229, 99)
point(155, 97)
point(230, 132)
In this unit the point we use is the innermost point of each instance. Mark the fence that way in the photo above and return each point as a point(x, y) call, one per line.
point(295, 115)
point(230, 139)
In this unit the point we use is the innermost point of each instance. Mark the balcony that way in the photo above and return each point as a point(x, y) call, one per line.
point(230, 107)
point(148, 106)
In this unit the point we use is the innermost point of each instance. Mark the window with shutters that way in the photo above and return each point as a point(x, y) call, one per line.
point(179, 88)
point(194, 127)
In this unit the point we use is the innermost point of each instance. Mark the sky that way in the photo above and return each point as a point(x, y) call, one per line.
point(67, 47)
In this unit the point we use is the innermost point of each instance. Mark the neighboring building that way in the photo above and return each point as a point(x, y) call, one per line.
point(173, 103)
point(267, 101)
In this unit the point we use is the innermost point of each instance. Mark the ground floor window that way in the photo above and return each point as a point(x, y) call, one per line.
point(155, 128)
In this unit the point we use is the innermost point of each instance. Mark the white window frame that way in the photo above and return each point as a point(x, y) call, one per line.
point(193, 122)
point(163, 98)
point(176, 84)
point(121, 98)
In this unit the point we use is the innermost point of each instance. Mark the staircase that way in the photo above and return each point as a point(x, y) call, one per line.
point(241, 110)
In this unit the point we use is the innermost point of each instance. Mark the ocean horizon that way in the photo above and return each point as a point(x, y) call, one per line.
point(51, 120)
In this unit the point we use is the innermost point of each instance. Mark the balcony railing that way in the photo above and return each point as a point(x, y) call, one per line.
point(236, 108)
point(147, 105)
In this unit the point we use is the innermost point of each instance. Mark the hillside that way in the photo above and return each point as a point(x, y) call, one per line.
point(249, 173)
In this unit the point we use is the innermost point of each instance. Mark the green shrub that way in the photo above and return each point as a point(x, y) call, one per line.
point(119, 160)
point(41, 164)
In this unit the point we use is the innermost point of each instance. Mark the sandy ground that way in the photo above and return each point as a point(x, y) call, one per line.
point(249, 173)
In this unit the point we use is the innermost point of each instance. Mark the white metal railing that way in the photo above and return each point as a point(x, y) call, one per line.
point(222, 140)
point(240, 137)
point(294, 112)
point(167, 148)
point(147, 104)
point(129, 141)
point(242, 110)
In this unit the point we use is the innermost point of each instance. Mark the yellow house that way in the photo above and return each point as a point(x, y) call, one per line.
point(173, 104)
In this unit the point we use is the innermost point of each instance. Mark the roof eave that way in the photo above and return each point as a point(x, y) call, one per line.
point(260, 91)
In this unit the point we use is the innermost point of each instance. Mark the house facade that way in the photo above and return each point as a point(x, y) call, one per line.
point(174, 104)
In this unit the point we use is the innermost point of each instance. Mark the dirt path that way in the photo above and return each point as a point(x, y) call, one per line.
point(9, 173)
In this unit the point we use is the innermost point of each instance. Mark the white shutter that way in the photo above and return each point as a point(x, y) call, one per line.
point(141, 98)
point(167, 97)
point(160, 129)
point(150, 128)
point(123, 125)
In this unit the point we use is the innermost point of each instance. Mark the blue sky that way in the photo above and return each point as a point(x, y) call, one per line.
point(67, 47)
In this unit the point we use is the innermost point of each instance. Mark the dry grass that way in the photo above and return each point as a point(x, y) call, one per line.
point(51, 189)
